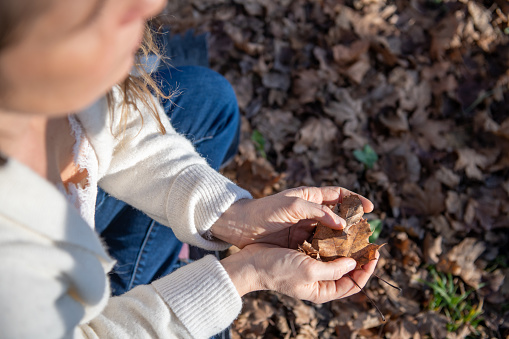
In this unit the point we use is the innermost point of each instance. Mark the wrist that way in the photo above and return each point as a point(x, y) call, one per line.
point(231, 225)
point(241, 269)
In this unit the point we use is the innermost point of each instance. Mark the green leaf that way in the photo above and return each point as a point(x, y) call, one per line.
point(376, 228)
point(366, 156)
point(259, 142)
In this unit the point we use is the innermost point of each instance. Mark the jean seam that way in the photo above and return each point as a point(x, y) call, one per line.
point(138, 259)
point(197, 141)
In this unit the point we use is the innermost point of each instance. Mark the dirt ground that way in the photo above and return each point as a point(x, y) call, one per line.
point(402, 101)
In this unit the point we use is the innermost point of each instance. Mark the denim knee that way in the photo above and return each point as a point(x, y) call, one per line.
point(206, 110)
point(217, 84)
point(217, 88)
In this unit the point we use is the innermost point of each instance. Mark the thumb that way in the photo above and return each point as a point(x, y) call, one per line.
point(333, 270)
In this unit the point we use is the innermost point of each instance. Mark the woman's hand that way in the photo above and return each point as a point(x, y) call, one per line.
point(269, 267)
point(268, 219)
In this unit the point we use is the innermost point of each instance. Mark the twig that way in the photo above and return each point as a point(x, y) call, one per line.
point(388, 283)
point(372, 302)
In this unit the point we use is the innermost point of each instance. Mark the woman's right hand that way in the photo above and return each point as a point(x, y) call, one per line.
point(268, 220)
point(269, 267)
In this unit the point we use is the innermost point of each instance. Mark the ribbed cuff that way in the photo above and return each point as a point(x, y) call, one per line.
point(208, 195)
point(202, 296)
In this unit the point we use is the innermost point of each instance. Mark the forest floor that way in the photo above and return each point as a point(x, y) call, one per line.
point(402, 101)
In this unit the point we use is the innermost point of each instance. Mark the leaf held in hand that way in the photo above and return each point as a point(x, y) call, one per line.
point(332, 244)
point(351, 210)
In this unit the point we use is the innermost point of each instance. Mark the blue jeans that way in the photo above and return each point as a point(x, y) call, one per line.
point(206, 113)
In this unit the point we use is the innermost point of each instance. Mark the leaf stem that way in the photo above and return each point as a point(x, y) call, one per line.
point(371, 300)
point(388, 283)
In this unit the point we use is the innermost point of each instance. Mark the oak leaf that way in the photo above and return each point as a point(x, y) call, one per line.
point(332, 244)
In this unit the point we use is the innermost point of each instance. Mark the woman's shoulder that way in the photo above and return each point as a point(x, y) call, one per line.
point(33, 209)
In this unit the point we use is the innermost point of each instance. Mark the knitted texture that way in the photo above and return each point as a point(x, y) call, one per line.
point(214, 304)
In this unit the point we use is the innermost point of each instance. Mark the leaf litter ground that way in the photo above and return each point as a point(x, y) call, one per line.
point(402, 101)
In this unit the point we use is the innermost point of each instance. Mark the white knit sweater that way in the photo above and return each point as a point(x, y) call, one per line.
point(53, 266)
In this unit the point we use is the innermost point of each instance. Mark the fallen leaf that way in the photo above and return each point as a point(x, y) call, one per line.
point(442, 35)
point(433, 323)
point(276, 81)
point(472, 162)
point(305, 86)
point(332, 244)
point(427, 201)
point(402, 164)
point(348, 54)
point(447, 177)
point(460, 261)
point(256, 314)
point(316, 139)
point(432, 248)
point(403, 328)
point(395, 121)
point(357, 71)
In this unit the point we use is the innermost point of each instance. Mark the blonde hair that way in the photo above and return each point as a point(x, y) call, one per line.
point(141, 87)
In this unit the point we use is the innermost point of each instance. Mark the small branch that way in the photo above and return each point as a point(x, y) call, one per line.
point(391, 285)
point(372, 302)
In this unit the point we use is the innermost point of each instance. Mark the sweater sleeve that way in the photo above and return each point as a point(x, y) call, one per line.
point(196, 301)
point(160, 174)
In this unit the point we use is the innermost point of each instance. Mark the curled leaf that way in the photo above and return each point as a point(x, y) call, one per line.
point(329, 244)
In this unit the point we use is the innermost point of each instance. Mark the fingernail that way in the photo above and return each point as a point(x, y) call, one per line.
point(351, 265)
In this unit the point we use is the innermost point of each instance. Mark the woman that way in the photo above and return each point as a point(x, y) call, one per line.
point(64, 131)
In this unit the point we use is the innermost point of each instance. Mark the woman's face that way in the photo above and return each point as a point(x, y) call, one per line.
point(72, 54)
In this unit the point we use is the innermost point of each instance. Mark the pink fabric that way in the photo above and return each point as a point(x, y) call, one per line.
point(184, 252)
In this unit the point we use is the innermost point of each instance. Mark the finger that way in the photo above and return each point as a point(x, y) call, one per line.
point(318, 195)
point(321, 213)
point(328, 195)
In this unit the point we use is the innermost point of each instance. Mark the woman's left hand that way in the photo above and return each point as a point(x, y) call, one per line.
point(268, 267)
point(269, 219)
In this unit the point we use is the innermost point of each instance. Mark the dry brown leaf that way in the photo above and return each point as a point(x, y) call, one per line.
point(447, 177)
point(432, 248)
point(460, 261)
point(332, 244)
point(403, 329)
point(348, 54)
point(433, 323)
point(442, 35)
point(351, 210)
point(306, 85)
point(395, 121)
point(472, 161)
point(255, 317)
point(357, 71)
point(428, 201)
